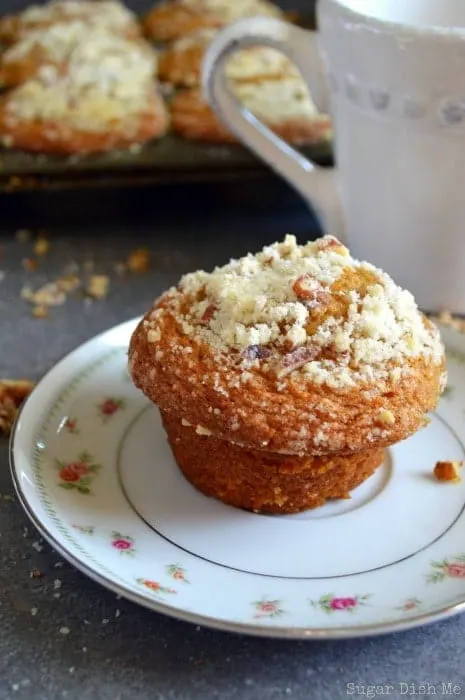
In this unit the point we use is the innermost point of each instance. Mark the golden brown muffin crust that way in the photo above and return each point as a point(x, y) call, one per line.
point(176, 18)
point(262, 481)
point(104, 14)
point(192, 118)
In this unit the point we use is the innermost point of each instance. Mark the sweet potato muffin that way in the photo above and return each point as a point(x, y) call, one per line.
point(104, 14)
point(181, 62)
point(175, 18)
point(264, 482)
point(103, 96)
point(56, 46)
point(296, 350)
point(284, 105)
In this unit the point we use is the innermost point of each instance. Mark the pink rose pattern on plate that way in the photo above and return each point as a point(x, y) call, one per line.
point(330, 603)
point(79, 474)
point(72, 426)
point(177, 572)
point(267, 608)
point(447, 568)
point(123, 543)
point(410, 604)
point(155, 586)
point(109, 407)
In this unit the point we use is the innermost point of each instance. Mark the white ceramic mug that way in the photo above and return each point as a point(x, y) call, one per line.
point(392, 75)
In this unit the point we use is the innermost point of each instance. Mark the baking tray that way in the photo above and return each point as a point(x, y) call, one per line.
point(168, 160)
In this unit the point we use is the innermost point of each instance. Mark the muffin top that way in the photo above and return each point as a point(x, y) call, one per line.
point(311, 309)
point(299, 349)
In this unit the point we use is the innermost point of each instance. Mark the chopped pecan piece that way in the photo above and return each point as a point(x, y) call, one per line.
point(139, 260)
point(447, 471)
point(256, 352)
point(309, 291)
point(331, 242)
point(208, 314)
point(296, 359)
point(12, 394)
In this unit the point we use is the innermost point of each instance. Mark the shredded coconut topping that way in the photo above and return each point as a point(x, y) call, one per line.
point(310, 309)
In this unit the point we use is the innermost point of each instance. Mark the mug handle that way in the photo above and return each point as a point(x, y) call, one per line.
point(315, 184)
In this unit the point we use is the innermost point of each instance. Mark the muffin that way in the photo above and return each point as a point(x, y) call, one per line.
point(172, 19)
point(99, 94)
point(284, 105)
point(181, 61)
point(42, 51)
point(103, 14)
point(297, 365)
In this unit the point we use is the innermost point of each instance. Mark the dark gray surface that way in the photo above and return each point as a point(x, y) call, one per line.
point(139, 654)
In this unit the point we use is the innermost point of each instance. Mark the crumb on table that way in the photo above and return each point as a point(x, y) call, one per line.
point(448, 471)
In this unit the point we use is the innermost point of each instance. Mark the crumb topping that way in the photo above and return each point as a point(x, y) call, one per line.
point(229, 11)
point(106, 78)
point(310, 311)
point(247, 64)
point(101, 13)
point(273, 101)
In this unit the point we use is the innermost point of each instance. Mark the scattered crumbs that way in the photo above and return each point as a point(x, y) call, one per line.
point(34, 611)
point(15, 686)
point(35, 573)
point(37, 546)
point(12, 394)
point(117, 613)
point(29, 264)
point(86, 622)
point(139, 260)
point(71, 669)
point(57, 595)
point(48, 295)
point(41, 246)
point(23, 235)
point(105, 621)
point(448, 471)
point(6, 497)
point(40, 312)
point(58, 565)
point(84, 649)
point(288, 691)
point(98, 286)
point(57, 584)
point(64, 630)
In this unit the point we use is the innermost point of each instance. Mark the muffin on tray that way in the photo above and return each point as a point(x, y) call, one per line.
point(181, 62)
point(284, 105)
point(282, 376)
point(43, 51)
point(105, 14)
point(101, 96)
point(172, 19)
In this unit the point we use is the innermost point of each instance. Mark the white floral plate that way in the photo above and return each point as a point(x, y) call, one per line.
point(94, 472)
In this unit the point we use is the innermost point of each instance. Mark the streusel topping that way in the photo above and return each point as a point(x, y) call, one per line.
point(310, 309)
point(105, 77)
point(229, 11)
point(107, 14)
